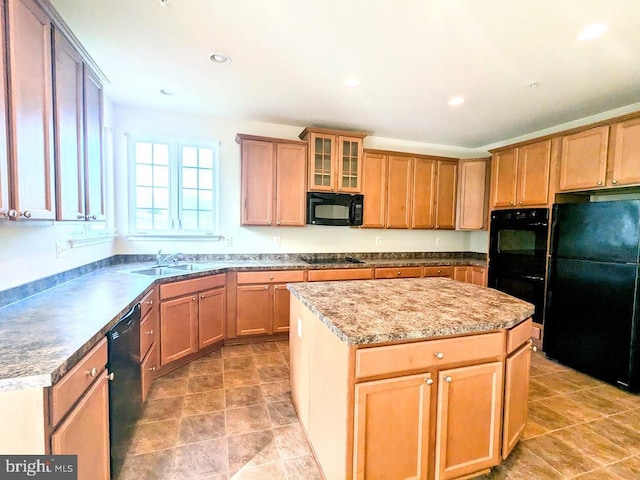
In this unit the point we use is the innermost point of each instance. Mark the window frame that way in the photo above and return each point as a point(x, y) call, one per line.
point(175, 188)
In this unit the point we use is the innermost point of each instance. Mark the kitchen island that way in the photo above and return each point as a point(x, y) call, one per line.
point(410, 378)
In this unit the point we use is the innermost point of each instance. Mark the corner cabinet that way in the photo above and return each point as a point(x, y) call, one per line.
point(30, 156)
point(520, 176)
point(273, 181)
point(335, 160)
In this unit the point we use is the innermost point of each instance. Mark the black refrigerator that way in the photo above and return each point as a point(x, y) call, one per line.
point(592, 311)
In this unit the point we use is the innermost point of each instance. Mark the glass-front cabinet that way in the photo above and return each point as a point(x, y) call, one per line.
point(335, 160)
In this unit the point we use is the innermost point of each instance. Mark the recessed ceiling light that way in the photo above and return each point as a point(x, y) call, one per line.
point(219, 58)
point(457, 100)
point(167, 91)
point(164, 3)
point(534, 84)
point(592, 31)
point(352, 82)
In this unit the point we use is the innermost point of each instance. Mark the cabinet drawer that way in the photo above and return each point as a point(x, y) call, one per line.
point(399, 272)
point(148, 303)
point(148, 332)
point(71, 387)
point(446, 271)
point(148, 369)
point(185, 287)
point(281, 276)
point(422, 355)
point(518, 335)
point(339, 274)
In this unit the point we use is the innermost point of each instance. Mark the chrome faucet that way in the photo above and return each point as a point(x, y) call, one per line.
point(163, 261)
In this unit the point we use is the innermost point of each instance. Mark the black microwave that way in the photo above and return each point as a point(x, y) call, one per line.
point(340, 209)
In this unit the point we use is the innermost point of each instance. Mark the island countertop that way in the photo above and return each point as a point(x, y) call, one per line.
point(364, 312)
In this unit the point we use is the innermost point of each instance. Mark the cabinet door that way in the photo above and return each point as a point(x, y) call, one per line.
point(399, 192)
point(349, 164)
point(423, 185)
point(4, 159)
point(291, 185)
point(472, 186)
point(445, 271)
point(391, 428)
point(93, 153)
point(258, 182)
point(583, 162)
point(212, 308)
point(85, 432)
point(374, 188)
point(69, 144)
point(446, 195)
point(533, 174)
point(148, 369)
point(516, 393)
point(178, 328)
point(31, 122)
point(322, 158)
point(469, 400)
point(254, 307)
point(503, 179)
point(280, 308)
point(626, 154)
point(478, 276)
point(461, 274)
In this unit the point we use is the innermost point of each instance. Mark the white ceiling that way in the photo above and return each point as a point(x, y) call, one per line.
point(291, 57)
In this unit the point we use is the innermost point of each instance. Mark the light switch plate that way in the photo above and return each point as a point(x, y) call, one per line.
point(62, 249)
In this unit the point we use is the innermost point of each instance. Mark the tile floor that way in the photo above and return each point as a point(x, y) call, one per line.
point(228, 416)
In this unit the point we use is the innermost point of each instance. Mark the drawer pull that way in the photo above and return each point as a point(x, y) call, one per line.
point(150, 332)
point(150, 302)
point(448, 379)
point(429, 381)
point(202, 296)
point(439, 355)
point(399, 273)
point(111, 376)
point(152, 369)
point(93, 372)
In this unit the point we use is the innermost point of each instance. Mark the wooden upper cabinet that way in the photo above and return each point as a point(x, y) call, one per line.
point(472, 194)
point(335, 160)
point(399, 181)
point(4, 160)
point(626, 153)
point(424, 191)
point(31, 123)
point(445, 206)
point(69, 144)
point(93, 151)
point(583, 161)
point(258, 181)
point(503, 178)
point(273, 181)
point(520, 176)
point(374, 188)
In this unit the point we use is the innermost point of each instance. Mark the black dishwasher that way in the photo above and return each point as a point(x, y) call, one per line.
point(125, 387)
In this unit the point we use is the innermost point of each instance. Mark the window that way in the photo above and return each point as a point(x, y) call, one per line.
point(173, 186)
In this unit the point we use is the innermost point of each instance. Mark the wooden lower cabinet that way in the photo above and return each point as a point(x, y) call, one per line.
point(445, 271)
point(178, 328)
point(471, 274)
point(212, 307)
point(149, 368)
point(398, 272)
point(85, 432)
point(516, 393)
point(468, 419)
point(391, 428)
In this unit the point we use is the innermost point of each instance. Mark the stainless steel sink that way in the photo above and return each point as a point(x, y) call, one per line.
point(154, 271)
point(189, 266)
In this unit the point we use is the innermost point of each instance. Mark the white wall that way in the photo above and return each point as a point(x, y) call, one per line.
point(138, 121)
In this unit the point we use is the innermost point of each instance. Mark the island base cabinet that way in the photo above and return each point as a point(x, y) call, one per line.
point(468, 419)
point(85, 432)
point(516, 393)
point(391, 428)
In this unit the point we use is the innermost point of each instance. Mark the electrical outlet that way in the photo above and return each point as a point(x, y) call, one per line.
point(228, 241)
point(276, 241)
point(438, 241)
point(62, 249)
point(378, 240)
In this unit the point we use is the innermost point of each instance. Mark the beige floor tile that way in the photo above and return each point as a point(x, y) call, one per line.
point(282, 413)
point(629, 468)
point(148, 466)
point(523, 464)
point(196, 428)
point(243, 396)
point(269, 359)
point(205, 367)
point(205, 402)
point(291, 441)
point(600, 474)
point(157, 409)
point(276, 391)
point(200, 460)
point(252, 449)
point(229, 351)
point(576, 412)
point(247, 419)
point(618, 433)
point(151, 437)
point(168, 387)
point(269, 471)
point(265, 347)
point(273, 374)
point(204, 383)
point(592, 445)
point(559, 455)
point(238, 363)
point(302, 468)
point(241, 378)
point(546, 418)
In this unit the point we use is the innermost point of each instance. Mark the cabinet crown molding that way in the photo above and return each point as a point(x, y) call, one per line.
point(244, 136)
point(329, 131)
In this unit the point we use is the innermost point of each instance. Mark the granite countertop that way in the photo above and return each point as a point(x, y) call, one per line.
point(376, 311)
point(44, 335)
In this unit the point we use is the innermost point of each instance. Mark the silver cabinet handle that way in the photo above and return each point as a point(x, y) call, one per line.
point(93, 372)
point(152, 369)
point(429, 381)
point(90, 217)
point(150, 332)
point(399, 273)
point(150, 302)
point(599, 183)
point(439, 355)
point(614, 182)
point(448, 379)
point(26, 214)
point(202, 296)
point(12, 214)
point(111, 376)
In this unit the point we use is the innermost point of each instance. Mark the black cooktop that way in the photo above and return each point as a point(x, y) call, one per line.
point(325, 260)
